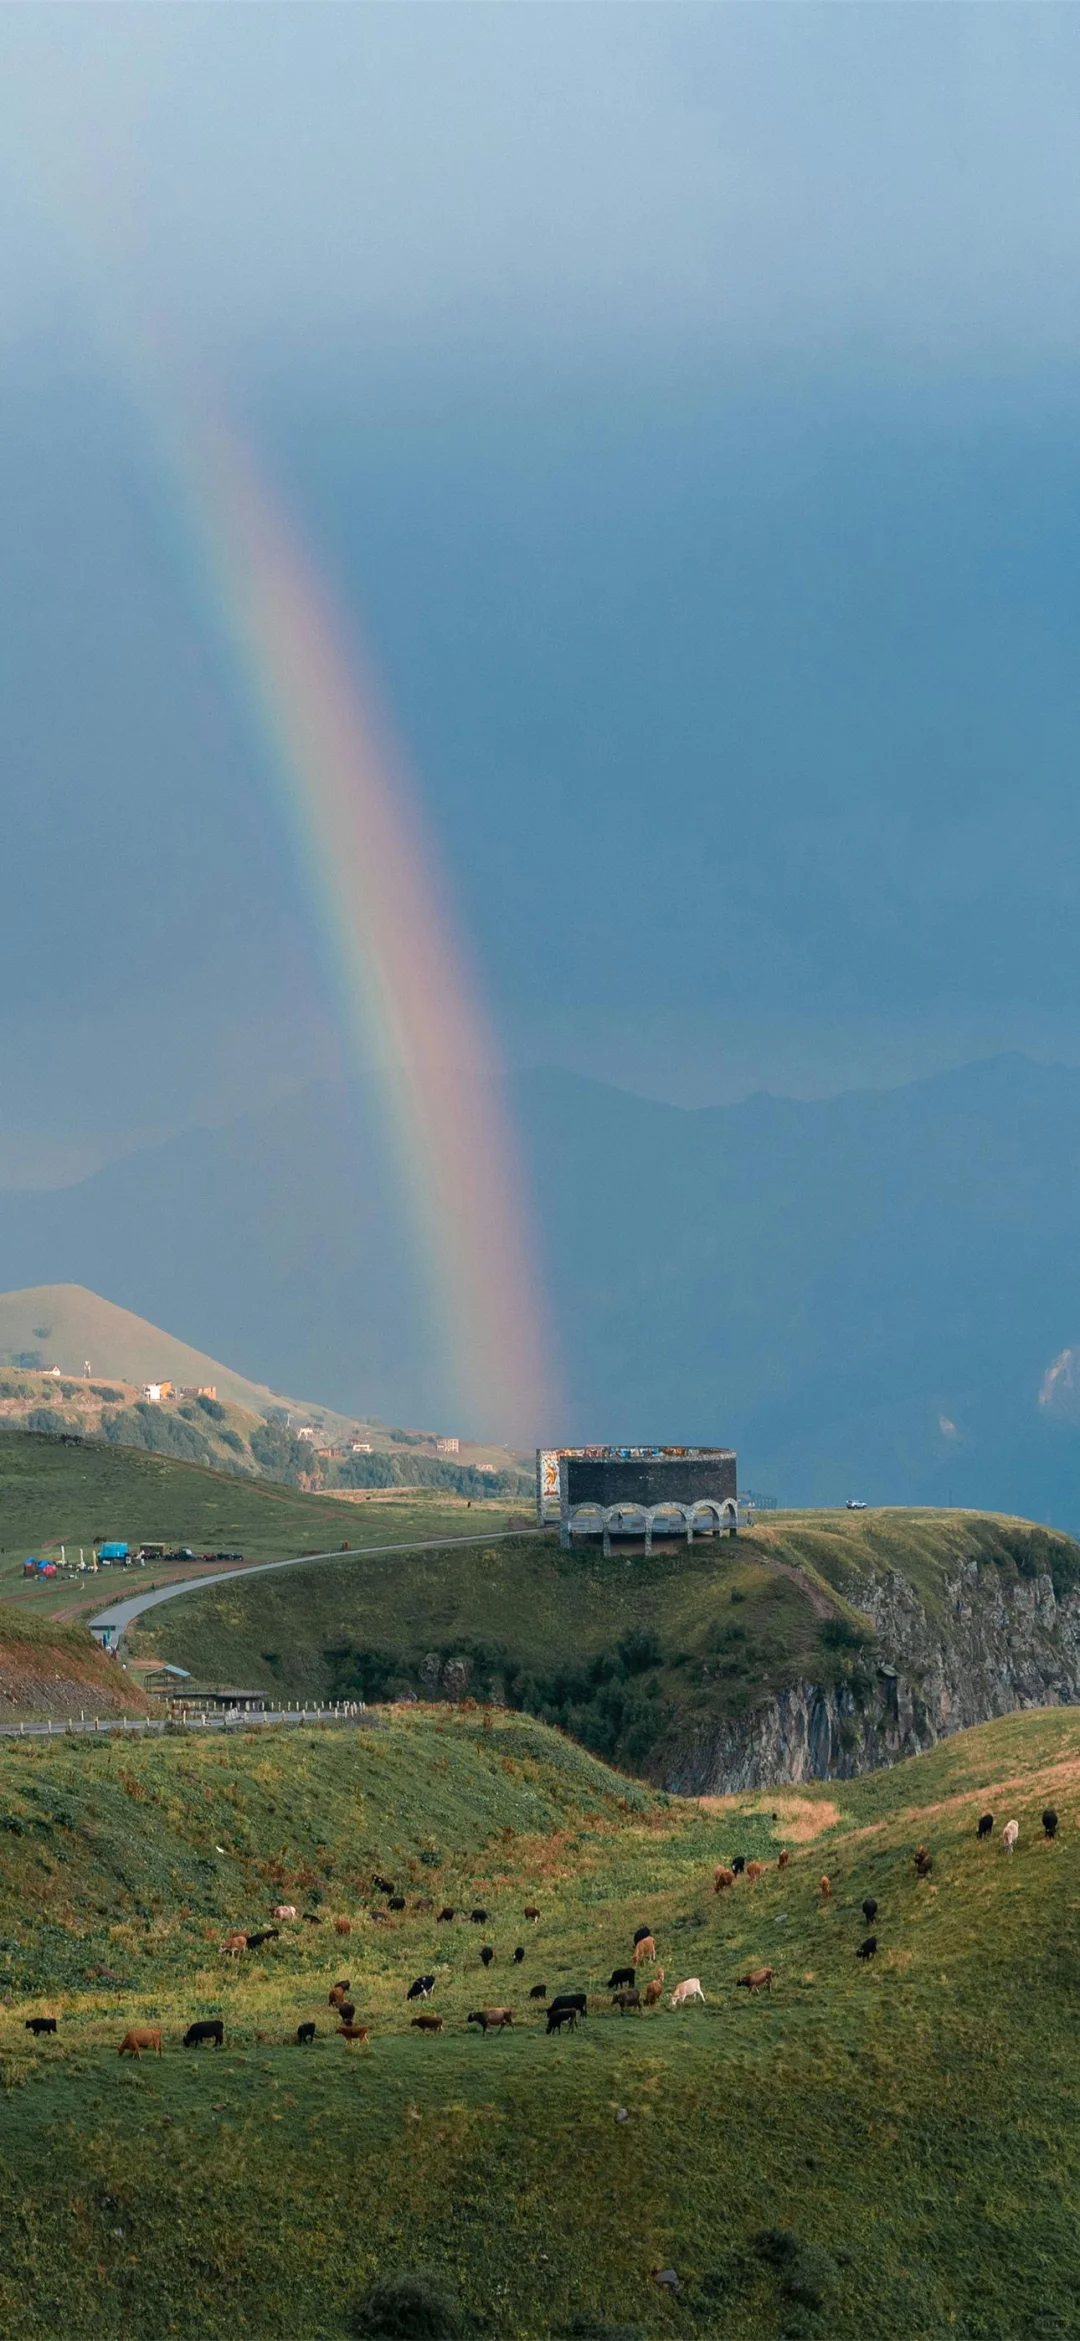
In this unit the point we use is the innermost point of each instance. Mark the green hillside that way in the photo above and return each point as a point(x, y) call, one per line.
point(52, 1494)
point(890, 2147)
point(631, 1656)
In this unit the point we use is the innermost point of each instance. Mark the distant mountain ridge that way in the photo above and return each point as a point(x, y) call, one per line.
point(863, 1293)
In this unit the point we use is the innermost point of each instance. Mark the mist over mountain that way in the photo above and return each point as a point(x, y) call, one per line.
point(865, 1294)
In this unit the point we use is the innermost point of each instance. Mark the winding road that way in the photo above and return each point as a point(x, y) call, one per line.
point(112, 1623)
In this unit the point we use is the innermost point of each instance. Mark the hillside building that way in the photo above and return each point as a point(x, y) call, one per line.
point(636, 1492)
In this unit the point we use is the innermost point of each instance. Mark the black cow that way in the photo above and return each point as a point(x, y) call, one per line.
point(444, 1915)
point(985, 1826)
point(396, 1902)
point(304, 2034)
point(212, 2029)
point(384, 1885)
point(346, 2011)
point(739, 1864)
point(422, 1989)
point(478, 1917)
point(869, 1910)
point(538, 1992)
point(487, 1954)
point(570, 1999)
point(642, 1933)
point(310, 1918)
point(40, 2024)
point(518, 1956)
point(1050, 1822)
point(268, 1934)
point(867, 1950)
point(557, 2017)
point(620, 1975)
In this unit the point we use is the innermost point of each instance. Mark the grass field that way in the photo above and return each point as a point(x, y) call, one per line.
point(51, 1494)
point(888, 2148)
point(631, 1656)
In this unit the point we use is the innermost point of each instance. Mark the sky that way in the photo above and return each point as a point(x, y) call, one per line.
point(679, 403)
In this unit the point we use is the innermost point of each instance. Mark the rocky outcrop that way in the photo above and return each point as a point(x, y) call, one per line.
point(998, 1642)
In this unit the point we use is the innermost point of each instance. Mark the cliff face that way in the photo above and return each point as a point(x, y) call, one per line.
point(998, 1645)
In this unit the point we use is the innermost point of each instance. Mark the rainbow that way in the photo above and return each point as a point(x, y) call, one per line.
point(406, 995)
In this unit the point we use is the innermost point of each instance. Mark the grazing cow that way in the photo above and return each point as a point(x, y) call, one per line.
point(557, 2017)
point(532, 1911)
point(1049, 1822)
point(518, 1956)
point(347, 2012)
point(352, 2031)
point(234, 1944)
point(288, 1910)
point(824, 1888)
point(867, 1950)
point(422, 1989)
point(338, 1993)
point(759, 1979)
point(1009, 1835)
point(310, 1918)
point(268, 1934)
point(491, 2019)
point(985, 1827)
point(924, 1861)
point(690, 1990)
point(571, 1999)
point(478, 1917)
point(654, 1988)
point(383, 1885)
point(487, 1955)
point(641, 1933)
point(381, 1918)
point(538, 1992)
point(427, 2023)
point(869, 1910)
point(343, 1926)
point(620, 1975)
point(626, 1999)
point(213, 2029)
point(140, 2036)
point(754, 1870)
point(39, 2024)
point(396, 1902)
point(645, 1949)
point(721, 1879)
point(444, 1915)
point(305, 2034)
point(423, 1902)
point(782, 1859)
point(739, 1864)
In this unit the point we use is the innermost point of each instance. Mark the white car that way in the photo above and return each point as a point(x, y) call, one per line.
point(855, 1504)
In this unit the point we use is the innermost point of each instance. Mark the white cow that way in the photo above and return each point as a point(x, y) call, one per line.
point(1009, 1835)
point(283, 1910)
point(690, 1990)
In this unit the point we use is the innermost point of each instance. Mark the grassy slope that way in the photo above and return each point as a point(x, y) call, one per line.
point(53, 1670)
point(917, 2120)
point(727, 1626)
point(50, 1493)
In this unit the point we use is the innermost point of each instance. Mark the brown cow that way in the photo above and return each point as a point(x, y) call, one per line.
point(427, 2023)
point(140, 2036)
point(234, 1944)
point(491, 2019)
point(782, 1859)
point(626, 1999)
point(646, 1949)
point(722, 1878)
point(352, 2031)
point(654, 1988)
point(754, 1870)
point(532, 1911)
point(339, 1992)
point(825, 1888)
point(343, 1926)
point(759, 1978)
point(923, 1861)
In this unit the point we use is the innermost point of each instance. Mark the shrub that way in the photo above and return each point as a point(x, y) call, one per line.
point(840, 1634)
point(413, 2307)
point(212, 1407)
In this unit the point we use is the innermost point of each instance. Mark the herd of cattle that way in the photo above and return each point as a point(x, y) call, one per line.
point(563, 2012)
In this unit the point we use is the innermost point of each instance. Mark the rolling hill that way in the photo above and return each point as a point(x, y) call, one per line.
point(882, 2146)
point(816, 1645)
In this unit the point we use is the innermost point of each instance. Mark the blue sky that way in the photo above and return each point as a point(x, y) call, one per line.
point(682, 401)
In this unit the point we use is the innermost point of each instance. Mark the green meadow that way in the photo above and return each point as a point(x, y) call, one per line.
point(887, 2147)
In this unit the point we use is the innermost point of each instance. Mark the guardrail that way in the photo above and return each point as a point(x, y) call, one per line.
point(351, 1712)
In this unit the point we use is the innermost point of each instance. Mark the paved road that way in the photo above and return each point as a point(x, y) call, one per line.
point(120, 1614)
